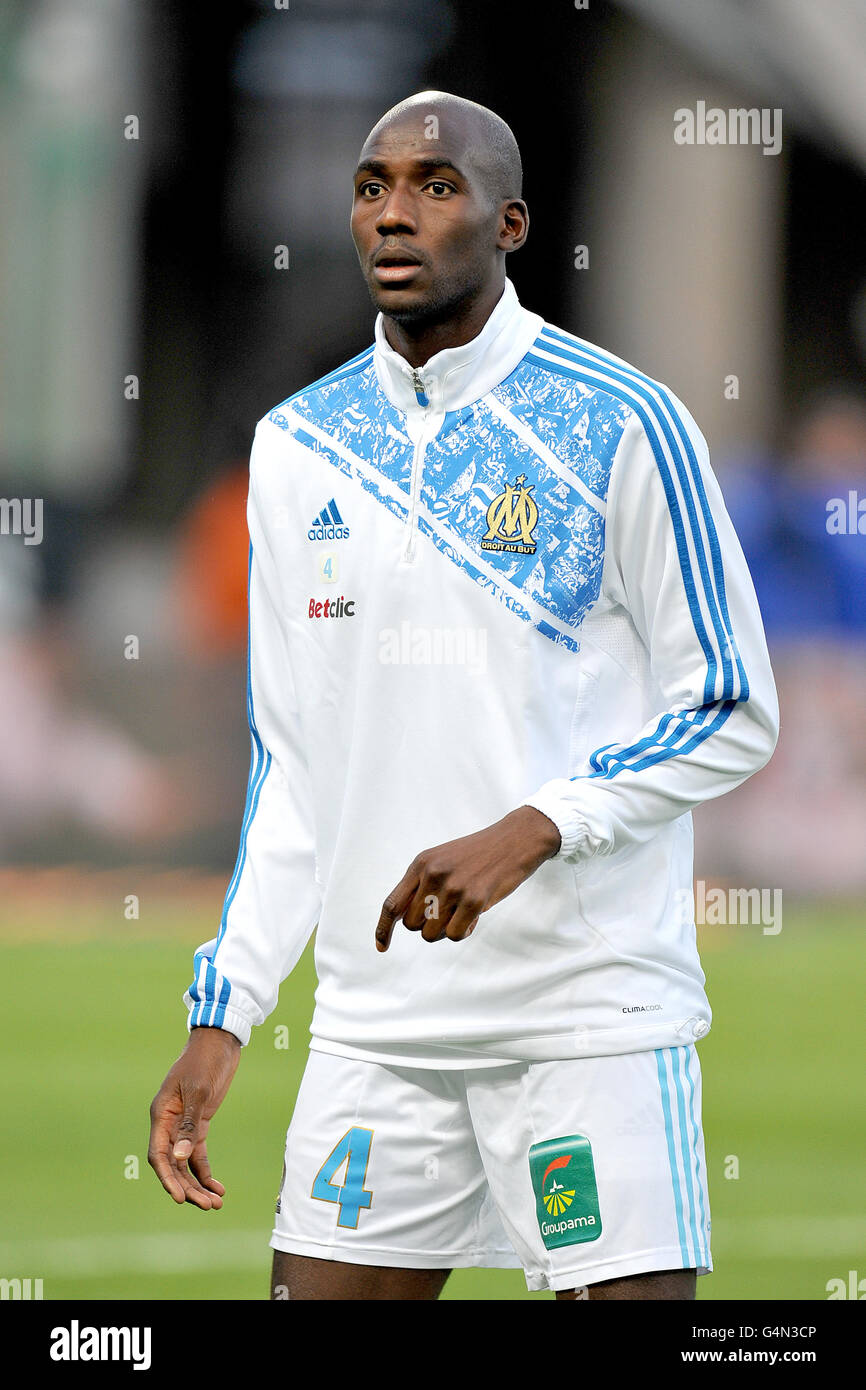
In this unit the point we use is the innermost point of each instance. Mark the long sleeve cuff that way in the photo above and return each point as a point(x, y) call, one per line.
point(231, 1021)
point(552, 799)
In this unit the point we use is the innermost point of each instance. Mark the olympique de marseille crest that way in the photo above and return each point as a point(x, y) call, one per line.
point(511, 519)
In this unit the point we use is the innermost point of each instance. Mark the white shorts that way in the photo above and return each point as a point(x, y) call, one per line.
point(577, 1170)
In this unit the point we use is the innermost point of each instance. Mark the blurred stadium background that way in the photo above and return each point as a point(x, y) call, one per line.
point(146, 329)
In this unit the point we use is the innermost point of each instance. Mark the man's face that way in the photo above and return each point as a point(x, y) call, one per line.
point(424, 226)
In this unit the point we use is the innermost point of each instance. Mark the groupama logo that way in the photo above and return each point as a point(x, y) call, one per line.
point(566, 1193)
point(556, 1198)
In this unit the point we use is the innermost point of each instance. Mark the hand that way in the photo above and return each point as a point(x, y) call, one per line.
point(445, 890)
point(181, 1112)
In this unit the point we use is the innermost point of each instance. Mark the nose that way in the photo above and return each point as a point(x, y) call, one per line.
point(396, 213)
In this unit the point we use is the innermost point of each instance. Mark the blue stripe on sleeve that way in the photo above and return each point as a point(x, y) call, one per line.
point(686, 469)
point(651, 415)
point(260, 766)
point(666, 747)
point(219, 1017)
point(209, 1008)
point(608, 761)
point(676, 518)
point(210, 978)
point(697, 478)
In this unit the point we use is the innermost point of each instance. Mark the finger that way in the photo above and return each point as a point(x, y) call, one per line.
point(161, 1165)
point(162, 1120)
point(194, 1193)
point(190, 1129)
point(193, 1190)
point(180, 1185)
point(200, 1168)
point(394, 906)
point(450, 910)
point(189, 1137)
point(433, 930)
point(464, 919)
point(424, 907)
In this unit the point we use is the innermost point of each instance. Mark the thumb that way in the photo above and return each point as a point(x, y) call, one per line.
point(187, 1130)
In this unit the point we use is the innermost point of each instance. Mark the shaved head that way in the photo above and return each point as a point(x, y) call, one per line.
point(437, 207)
point(488, 142)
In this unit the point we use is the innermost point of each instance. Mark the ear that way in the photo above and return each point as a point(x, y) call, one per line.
point(513, 225)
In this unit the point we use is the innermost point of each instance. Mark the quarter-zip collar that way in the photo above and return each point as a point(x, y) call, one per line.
point(457, 376)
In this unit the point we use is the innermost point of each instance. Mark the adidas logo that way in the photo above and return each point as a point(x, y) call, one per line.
point(328, 525)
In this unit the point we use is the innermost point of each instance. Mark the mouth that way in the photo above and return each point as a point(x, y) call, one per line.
point(395, 267)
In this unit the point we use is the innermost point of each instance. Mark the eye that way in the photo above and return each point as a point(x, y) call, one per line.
point(438, 187)
point(370, 189)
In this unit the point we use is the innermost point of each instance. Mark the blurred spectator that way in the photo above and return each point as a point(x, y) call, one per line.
point(213, 546)
point(68, 767)
point(61, 762)
point(801, 822)
point(810, 576)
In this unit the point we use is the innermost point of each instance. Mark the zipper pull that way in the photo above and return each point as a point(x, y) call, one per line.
point(419, 389)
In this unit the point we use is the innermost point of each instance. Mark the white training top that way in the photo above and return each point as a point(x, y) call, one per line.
point(505, 578)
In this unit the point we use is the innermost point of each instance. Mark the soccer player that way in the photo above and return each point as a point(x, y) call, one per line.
point(502, 640)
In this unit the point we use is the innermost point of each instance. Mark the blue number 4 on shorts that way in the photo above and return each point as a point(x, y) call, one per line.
point(353, 1150)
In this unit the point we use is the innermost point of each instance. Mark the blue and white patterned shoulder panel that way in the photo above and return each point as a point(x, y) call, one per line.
point(521, 477)
point(513, 489)
point(350, 407)
point(354, 366)
point(579, 422)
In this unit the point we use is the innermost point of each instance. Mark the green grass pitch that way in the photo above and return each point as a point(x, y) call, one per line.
point(91, 1026)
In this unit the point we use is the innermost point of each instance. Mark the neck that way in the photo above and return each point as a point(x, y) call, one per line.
point(420, 340)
